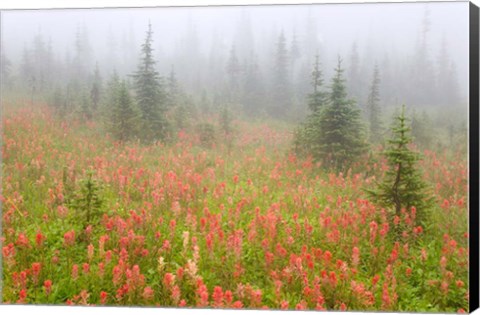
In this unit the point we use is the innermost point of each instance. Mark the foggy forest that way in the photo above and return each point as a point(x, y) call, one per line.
point(275, 156)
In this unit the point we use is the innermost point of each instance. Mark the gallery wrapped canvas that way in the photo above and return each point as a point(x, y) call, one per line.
point(283, 157)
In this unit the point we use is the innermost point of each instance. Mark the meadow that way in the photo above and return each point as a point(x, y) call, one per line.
point(243, 223)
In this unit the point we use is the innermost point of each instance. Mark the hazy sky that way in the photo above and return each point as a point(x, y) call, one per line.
point(380, 27)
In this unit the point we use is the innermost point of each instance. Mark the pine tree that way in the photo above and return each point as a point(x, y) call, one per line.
point(373, 108)
point(341, 135)
point(402, 186)
point(150, 94)
point(124, 118)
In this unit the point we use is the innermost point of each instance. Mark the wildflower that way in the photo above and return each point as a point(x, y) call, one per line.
point(39, 239)
point(69, 238)
point(36, 268)
point(148, 293)
point(408, 272)
point(75, 272)
point(217, 297)
point(103, 297)
point(86, 268)
point(168, 279)
point(355, 256)
point(22, 295)
point(22, 241)
point(90, 250)
point(48, 286)
point(176, 293)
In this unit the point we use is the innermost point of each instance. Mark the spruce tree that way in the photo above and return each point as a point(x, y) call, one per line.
point(341, 136)
point(402, 186)
point(124, 118)
point(150, 94)
point(373, 108)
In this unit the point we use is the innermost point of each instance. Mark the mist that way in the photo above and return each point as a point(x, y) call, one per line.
point(196, 42)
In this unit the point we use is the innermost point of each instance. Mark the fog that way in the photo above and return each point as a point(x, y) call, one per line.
point(407, 41)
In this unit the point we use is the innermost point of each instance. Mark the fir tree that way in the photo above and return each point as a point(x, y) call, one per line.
point(124, 118)
point(173, 91)
point(150, 94)
point(373, 108)
point(402, 186)
point(233, 71)
point(96, 90)
point(281, 87)
point(317, 99)
point(341, 136)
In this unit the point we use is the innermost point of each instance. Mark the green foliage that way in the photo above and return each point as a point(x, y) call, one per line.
point(318, 98)
point(373, 108)
point(281, 96)
point(150, 95)
point(342, 139)
point(86, 200)
point(86, 110)
point(402, 186)
point(333, 133)
point(124, 118)
point(96, 90)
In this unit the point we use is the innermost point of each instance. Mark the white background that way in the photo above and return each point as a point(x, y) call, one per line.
point(53, 310)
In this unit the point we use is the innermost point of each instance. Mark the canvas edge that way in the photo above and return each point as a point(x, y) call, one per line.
point(474, 158)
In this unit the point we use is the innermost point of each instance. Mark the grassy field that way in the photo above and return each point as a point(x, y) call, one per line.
point(239, 225)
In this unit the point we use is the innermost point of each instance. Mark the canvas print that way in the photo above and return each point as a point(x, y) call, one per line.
point(303, 157)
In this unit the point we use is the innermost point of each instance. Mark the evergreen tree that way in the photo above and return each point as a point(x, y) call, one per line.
point(124, 118)
point(306, 140)
point(402, 186)
point(96, 90)
point(354, 73)
point(150, 94)
point(281, 87)
point(5, 69)
point(341, 136)
point(253, 89)
point(373, 108)
point(317, 99)
point(173, 89)
point(86, 111)
point(233, 71)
